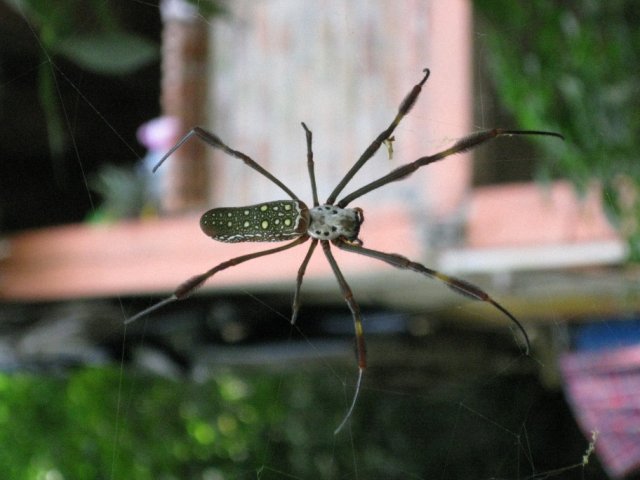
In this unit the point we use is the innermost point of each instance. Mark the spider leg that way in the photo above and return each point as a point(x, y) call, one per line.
point(357, 320)
point(467, 143)
point(314, 190)
point(310, 166)
point(353, 403)
point(303, 267)
point(215, 142)
point(459, 286)
point(191, 285)
point(351, 303)
point(404, 108)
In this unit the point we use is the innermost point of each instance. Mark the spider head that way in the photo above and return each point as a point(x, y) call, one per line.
point(330, 222)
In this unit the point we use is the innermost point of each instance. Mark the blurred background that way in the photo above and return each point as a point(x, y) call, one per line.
point(221, 385)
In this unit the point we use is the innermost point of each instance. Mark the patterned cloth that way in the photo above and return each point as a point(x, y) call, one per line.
point(603, 388)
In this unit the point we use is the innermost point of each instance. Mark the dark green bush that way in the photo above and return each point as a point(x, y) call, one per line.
point(573, 66)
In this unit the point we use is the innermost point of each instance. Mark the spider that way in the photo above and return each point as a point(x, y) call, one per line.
point(330, 223)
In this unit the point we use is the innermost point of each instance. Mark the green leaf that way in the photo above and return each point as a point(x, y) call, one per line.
point(110, 53)
point(208, 8)
point(572, 67)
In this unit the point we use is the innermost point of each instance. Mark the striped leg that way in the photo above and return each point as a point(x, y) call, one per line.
point(191, 285)
point(357, 320)
point(303, 267)
point(464, 144)
point(404, 108)
point(459, 286)
point(215, 142)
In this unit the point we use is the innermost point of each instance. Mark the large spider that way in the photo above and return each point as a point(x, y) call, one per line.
point(327, 224)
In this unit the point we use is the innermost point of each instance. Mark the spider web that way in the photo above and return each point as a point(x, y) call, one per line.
point(432, 406)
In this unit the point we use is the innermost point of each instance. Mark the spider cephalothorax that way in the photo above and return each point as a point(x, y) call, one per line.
point(331, 223)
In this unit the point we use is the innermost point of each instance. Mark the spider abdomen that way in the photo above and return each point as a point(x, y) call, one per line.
point(264, 222)
point(329, 222)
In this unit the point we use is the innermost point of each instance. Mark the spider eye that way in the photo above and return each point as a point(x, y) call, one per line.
point(359, 215)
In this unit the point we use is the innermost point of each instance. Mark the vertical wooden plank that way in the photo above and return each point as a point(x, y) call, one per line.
point(185, 49)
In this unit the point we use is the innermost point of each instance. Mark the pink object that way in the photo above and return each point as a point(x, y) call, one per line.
point(603, 388)
point(517, 214)
point(159, 134)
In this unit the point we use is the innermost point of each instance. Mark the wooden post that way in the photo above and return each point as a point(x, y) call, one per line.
point(184, 94)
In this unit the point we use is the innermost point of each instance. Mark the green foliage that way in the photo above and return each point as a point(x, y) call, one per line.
point(112, 53)
point(84, 426)
point(572, 67)
point(100, 423)
point(87, 33)
point(209, 8)
point(125, 192)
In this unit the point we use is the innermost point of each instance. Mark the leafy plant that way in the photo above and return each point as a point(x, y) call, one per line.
point(87, 33)
point(252, 423)
point(126, 192)
point(572, 66)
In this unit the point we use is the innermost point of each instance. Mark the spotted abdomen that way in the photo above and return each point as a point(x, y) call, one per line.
point(265, 222)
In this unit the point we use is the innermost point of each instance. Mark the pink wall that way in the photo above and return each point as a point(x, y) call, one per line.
point(343, 68)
